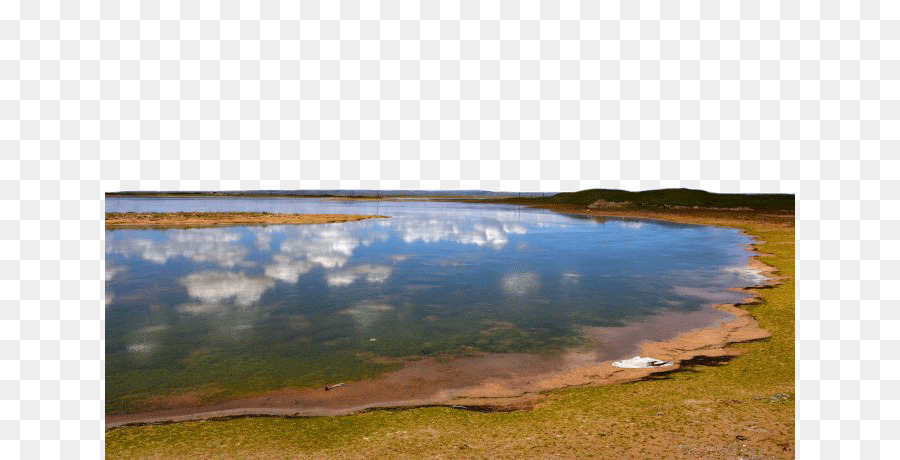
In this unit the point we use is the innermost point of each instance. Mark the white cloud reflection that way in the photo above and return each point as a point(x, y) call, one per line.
point(520, 284)
point(371, 273)
point(325, 246)
point(305, 247)
point(293, 251)
point(263, 236)
point(218, 246)
point(201, 308)
point(287, 269)
point(486, 232)
point(364, 315)
point(112, 270)
point(214, 287)
point(300, 249)
point(140, 348)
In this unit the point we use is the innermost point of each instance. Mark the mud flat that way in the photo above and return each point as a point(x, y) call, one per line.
point(136, 220)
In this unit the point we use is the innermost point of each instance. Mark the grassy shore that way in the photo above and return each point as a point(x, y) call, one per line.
point(744, 408)
point(220, 219)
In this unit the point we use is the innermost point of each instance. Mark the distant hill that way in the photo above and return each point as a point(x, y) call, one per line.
point(668, 198)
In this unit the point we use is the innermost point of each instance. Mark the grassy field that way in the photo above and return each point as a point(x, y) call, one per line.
point(744, 408)
point(220, 219)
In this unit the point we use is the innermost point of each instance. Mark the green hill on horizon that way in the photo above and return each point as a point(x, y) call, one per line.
point(668, 198)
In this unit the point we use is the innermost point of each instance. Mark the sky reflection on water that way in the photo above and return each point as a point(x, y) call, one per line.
point(294, 304)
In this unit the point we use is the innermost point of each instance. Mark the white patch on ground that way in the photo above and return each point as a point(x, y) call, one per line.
point(640, 363)
point(748, 275)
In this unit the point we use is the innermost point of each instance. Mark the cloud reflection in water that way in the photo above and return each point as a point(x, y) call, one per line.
point(287, 269)
point(364, 315)
point(431, 271)
point(371, 273)
point(113, 270)
point(218, 246)
point(214, 287)
point(520, 284)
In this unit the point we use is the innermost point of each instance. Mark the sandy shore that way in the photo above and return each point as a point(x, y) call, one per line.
point(135, 220)
point(499, 381)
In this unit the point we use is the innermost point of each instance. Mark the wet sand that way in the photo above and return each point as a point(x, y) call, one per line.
point(498, 381)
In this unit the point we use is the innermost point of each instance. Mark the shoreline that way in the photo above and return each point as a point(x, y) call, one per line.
point(745, 408)
point(576, 369)
point(150, 220)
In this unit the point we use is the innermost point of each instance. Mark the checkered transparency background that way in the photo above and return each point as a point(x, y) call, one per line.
point(516, 95)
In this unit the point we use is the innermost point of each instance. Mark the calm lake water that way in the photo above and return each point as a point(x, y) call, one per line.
point(245, 309)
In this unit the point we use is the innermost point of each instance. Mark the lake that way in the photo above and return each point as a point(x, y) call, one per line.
point(232, 311)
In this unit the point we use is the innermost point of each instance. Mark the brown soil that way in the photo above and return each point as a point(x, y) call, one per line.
point(220, 219)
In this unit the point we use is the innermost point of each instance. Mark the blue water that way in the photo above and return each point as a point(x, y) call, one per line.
point(262, 307)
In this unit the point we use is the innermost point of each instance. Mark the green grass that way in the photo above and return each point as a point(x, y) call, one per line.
point(708, 411)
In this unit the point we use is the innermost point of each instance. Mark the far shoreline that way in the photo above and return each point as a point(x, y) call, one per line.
point(144, 220)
